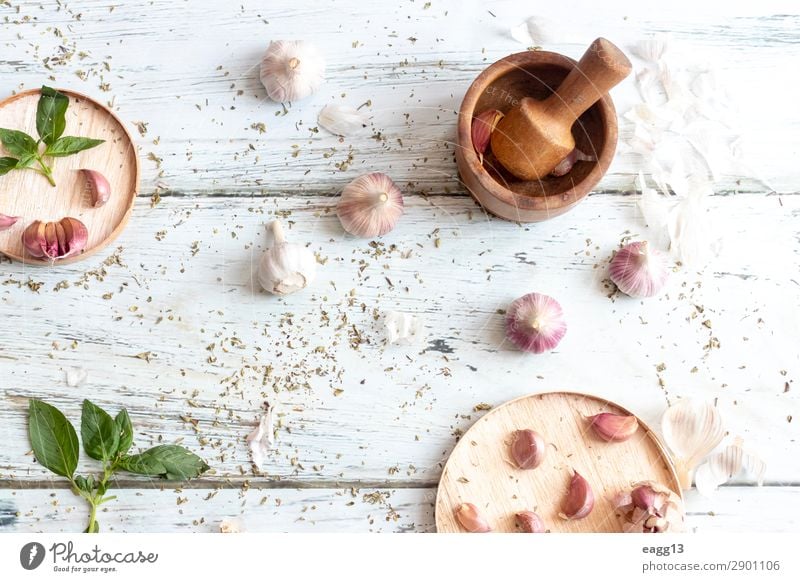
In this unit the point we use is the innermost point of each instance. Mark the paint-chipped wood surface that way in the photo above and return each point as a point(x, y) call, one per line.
point(169, 323)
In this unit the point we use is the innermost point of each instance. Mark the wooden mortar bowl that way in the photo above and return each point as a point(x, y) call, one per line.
point(534, 74)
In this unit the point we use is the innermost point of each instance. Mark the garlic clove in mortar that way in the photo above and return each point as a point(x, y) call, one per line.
point(691, 429)
point(564, 167)
point(291, 70)
point(613, 427)
point(55, 240)
point(370, 205)
point(579, 500)
point(527, 448)
point(649, 507)
point(98, 187)
point(471, 519)
point(7, 221)
point(535, 323)
point(639, 270)
point(286, 267)
point(529, 522)
point(482, 127)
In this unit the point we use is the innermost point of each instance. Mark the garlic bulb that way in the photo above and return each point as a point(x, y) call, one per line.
point(286, 267)
point(370, 205)
point(691, 429)
point(639, 270)
point(291, 70)
point(535, 323)
point(649, 507)
point(342, 119)
point(725, 465)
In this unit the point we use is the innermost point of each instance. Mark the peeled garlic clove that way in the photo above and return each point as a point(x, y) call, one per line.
point(613, 427)
point(565, 166)
point(529, 522)
point(579, 501)
point(535, 323)
point(291, 70)
point(286, 267)
point(342, 119)
point(370, 205)
point(472, 520)
point(638, 270)
point(98, 186)
point(691, 429)
point(482, 127)
point(7, 221)
point(55, 240)
point(649, 507)
point(527, 448)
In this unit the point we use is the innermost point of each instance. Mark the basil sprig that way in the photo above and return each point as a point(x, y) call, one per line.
point(106, 439)
point(51, 121)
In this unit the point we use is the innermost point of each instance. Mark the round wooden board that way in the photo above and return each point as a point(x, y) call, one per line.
point(479, 469)
point(28, 194)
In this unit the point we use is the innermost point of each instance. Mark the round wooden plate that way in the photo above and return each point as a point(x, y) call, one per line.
point(28, 194)
point(479, 470)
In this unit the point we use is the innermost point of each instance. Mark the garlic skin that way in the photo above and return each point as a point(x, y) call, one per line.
point(403, 328)
point(291, 70)
point(233, 525)
point(55, 240)
point(579, 500)
point(76, 376)
point(471, 519)
point(482, 127)
point(613, 427)
point(649, 507)
point(727, 464)
point(529, 522)
point(535, 323)
point(7, 221)
point(286, 267)
point(370, 205)
point(639, 270)
point(262, 439)
point(342, 119)
point(691, 429)
point(98, 187)
point(527, 449)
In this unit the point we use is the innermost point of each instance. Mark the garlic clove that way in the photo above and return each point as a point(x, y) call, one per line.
point(291, 70)
point(727, 464)
point(98, 186)
point(639, 270)
point(342, 119)
point(691, 429)
point(76, 235)
point(33, 239)
point(565, 166)
point(535, 323)
point(370, 205)
point(527, 449)
point(649, 507)
point(7, 221)
point(579, 500)
point(286, 267)
point(529, 522)
point(262, 439)
point(471, 519)
point(613, 427)
point(482, 127)
point(55, 240)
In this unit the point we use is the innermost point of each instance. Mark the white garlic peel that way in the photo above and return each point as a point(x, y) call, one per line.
point(691, 429)
point(727, 464)
point(370, 205)
point(262, 439)
point(639, 270)
point(76, 376)
point(291, 70)
point(342, 119)
point(286, 267)
point(232, 526)
point(403, 328)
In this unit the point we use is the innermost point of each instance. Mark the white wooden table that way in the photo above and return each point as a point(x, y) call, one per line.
point(365, 428)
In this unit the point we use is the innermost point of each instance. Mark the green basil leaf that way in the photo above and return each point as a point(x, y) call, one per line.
point(53, 438)
point(68, 145)
point(98, 432)
point(25, 161)
point(51, 115)
point(18, 143)
point(168, 461)
point(8, 164)
point(125, 431)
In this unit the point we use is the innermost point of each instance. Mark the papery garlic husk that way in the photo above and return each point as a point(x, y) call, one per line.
point(535, 323)
point(98, 186)
point(691, 429)
point(232, 526)
point(342, 119)
point(652, 49)
point(564, 167)
point(286, 267)
point(727, 464)
point(579, 500)
point(7, 221)
point(527, 448)
point(529, 522)
point(55, 240)
point(482, 127)
point(639, 270)
point(471, 518)
point(291, 70)
point(614, 427)
point(262, 439)
point(649, 507)
point(370, 205)
point(403, 328)
point(76, 376)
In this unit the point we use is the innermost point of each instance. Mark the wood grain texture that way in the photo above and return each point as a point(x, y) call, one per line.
point(28, 195)
point(480, 471)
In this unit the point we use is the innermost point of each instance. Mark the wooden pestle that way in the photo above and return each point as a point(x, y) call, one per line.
point(534, 137)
